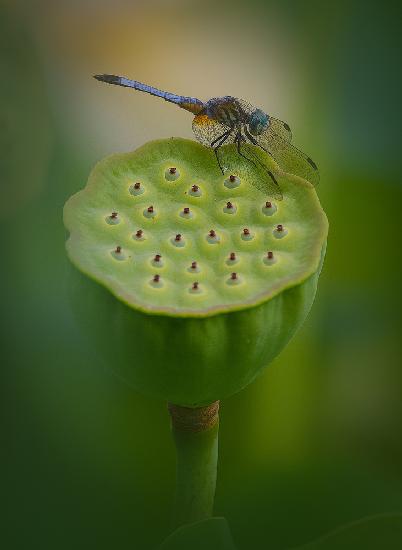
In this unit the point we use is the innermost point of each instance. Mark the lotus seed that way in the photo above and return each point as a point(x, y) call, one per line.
point(156, 281)
point(117, 253)
point(193, 268)
point(172, 174)
point(232, 259)
point(269, 258)
point(234, 279)
point(178, 240)
point(280, 231)
point(157, 260)
point(229, 208)
point(195, 288)
point(139, 235)
point(186, 213)
point(232, 181)
point(212, 237)
point(136, 189)
point(268, 209)
point(247, 235)
point(195, 191)
point(112, 219)
point(149, 212)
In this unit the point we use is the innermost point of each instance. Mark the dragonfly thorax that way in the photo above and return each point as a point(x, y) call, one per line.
point(258, 122)
point(226, 110)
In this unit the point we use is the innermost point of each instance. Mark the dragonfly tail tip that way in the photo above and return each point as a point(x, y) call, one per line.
point(109, 78)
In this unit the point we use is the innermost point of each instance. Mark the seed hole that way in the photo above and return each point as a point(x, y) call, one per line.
point(172, 174)
point(247, 235)
point(157, 261)
point(195, 191)
point(136, 189)
point(156, 281)
point(193, 268)
point(186, 213)
point(232, 259)
point(195, 288)
point(230, 208)
point(149, 212)
point(269, 259)
point(113, 219)
point(139, 235)
point(232, 181)
point(118, 254)
point(212, 237)
point(178, 240)
point(269, 208)
point(280, 231)
point(234, 279)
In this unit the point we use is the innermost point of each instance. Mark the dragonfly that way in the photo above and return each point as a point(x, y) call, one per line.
point(230, 120)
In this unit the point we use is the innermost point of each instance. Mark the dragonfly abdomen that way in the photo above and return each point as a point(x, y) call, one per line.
point(191, 104)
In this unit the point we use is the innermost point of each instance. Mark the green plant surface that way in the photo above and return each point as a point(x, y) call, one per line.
point(373, 533)
point(197, 457)
point(189, 343)
point(185, 211)
point(213, 533)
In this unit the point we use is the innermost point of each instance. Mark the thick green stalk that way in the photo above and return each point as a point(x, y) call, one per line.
point(195, 432)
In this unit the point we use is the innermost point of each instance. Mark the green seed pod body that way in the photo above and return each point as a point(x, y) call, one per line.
point(211, 282)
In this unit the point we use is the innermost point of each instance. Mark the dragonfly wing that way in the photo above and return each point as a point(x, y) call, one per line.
point(265, 180)
point(207, 130)
point(280, 128)
point(289, 158)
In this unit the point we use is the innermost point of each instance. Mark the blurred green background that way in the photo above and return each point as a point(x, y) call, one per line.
point(316, 441)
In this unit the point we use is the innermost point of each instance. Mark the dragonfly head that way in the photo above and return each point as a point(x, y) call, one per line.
point(258, 122)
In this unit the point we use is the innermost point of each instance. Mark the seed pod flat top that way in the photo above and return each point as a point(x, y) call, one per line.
point(167, 233)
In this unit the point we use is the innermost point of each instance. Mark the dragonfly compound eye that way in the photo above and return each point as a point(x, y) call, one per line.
point(258, 122)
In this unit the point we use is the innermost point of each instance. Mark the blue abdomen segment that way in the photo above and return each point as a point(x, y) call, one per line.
point(189, 103)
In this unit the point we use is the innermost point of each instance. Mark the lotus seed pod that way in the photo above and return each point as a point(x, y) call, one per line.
point(191, 287)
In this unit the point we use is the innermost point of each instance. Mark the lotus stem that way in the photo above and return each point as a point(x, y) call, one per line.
point(195, 433)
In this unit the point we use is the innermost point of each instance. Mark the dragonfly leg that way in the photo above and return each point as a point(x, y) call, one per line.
point(255, 142)
point(239, 139)
point(220, 141)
